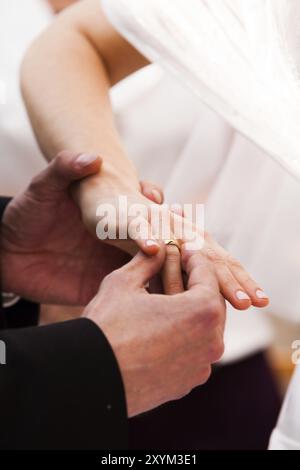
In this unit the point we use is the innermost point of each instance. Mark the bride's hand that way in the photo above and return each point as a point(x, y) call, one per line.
point(235, 284)
point(104, 190)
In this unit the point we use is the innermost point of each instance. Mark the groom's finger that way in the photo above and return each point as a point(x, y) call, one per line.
point(199, 269)
point(202, 279)
point(171, 271)
point(65, 169)
point(140, 231)
point(68, 167)
point(141, 269)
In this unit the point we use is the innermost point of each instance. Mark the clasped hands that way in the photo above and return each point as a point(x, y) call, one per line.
point(165, 344)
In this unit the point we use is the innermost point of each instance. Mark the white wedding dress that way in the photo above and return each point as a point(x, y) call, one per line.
point(242, 59)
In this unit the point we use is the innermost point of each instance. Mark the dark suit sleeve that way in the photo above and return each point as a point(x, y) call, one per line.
point(61, 389)
point(14, 317)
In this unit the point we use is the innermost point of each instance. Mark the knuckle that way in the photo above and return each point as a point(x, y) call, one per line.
point(234, 263)
point(228, 283)
point(214, 313)
point(193, 257)
point(247, 279)
point(214, 256)
point(194, 261)
point(216, 350)
point(208, 315)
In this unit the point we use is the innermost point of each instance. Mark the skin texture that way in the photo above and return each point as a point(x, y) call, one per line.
point(47, 253)
point(164, 345)
point(82, 51)
point(59, 5)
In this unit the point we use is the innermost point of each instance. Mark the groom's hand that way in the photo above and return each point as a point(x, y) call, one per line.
point(47, 255)
point(164, 345)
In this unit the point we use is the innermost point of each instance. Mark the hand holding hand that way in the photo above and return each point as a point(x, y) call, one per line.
point(47, 255)
point(164, 345)
point(234, 282)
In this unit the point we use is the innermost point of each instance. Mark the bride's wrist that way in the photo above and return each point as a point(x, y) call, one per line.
point(111, 176)
point(110, 183)
point(120, 176)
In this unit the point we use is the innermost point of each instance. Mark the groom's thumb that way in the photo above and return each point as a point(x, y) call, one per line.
point(65, 169)
point(141, 269)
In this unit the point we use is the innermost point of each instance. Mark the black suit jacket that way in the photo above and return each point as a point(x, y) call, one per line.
point(61, 387)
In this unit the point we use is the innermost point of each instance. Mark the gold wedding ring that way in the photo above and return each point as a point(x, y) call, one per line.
point(173, 243)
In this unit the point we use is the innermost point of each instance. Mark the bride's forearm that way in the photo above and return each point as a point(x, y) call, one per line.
point(66, 91)
point(65, 84)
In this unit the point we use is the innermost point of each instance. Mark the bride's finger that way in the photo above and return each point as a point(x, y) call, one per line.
point(258, 297)
point(230, 288)
point(171, 271)
point(253, 290)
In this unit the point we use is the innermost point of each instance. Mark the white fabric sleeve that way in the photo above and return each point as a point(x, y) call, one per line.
point(240, 57)
point(287, 433)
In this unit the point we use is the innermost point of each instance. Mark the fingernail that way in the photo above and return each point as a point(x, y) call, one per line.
point(241, 295)
point(152, 243)
point(157, 196)
point(85, 159)
point(260, 294)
